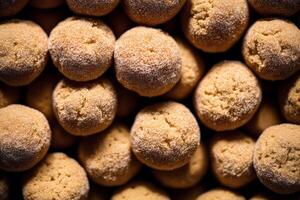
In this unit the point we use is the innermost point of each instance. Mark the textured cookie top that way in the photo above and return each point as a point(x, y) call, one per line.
point(165, 135)
point(188, 175)
point(56, 177)
point(214, 25)
point(140, 190)
point(85, 108)
point(289, 99)
point(192, 70)
point(272, 48)
point(107, 156)
point(277, 158)
point(94, 8)
point(231, 156)
point(23, 51)
point(152, 12)
point(147, 61)
point(276, 7)
point(8, 95)
point(25, 137)
point(82, 48)
point(228, 96)
point(220, 194)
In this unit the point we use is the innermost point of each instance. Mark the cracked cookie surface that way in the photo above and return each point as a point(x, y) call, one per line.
point(164, 136)
point(82, 48)
point(214, 25)
point(277, 158)
point(228, 96)
point(85, 108)
point(272, 48)
point(23, 51)
point(56, 177)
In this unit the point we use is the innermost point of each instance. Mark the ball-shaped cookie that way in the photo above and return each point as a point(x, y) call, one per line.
point(220, 194)
point(9, 8)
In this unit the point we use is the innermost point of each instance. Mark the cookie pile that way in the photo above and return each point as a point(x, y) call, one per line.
point(149, 100)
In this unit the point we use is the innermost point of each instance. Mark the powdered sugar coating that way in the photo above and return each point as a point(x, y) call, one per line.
point(23, 51)
point(271, 48)
point(147, 61)
point(214, 25)
point(277, 158)
point(25, 137)
point(85, 108)
point(82, 48)
point(152, 12)
point(56, 177)
point(228, 96)
point(165, 135)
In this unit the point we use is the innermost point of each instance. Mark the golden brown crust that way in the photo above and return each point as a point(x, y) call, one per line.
point(56, 177)
point(271, 48)
point(228, 96)
point(9, 8)
point(140, 190)
point(214, 25)
point(8, 95)
point(82, 48)
point(85, 108)
point(289, 100)
point(152, 12)
point(275, 7)
point(107, 156)
point(46, 4)
point(220, 194)
point(92, 8)
point(277, 158)
point(191, 71)
point(23, 51)
point(165, 136)
point(147, 61)
point(25, 137)
point(188, 175)
point(231, 158)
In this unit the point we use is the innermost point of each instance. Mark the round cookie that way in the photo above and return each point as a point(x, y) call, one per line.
point(277, 158)
point(4, 187)
point(189, 193)
point(9, 8)
point(267, 115)
point(25, 137)
point(39, 93)
point(85, 108)
point(56, 177)
point(214, 25)
point(82, 48)
point(289, 100)
point(93, 8)
point(140, 190)
point(60, 138)
point(147, 61)
point(46, 4)
point(220, 194)
point(191, 72)
point(271, 48)
point(152, 12)
point(187, 175)
point(8, 95)
point(275, 7)
point(165, 135)
point(23, 50)
point(228, 96)
point(107, 156)
point(231, 156)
